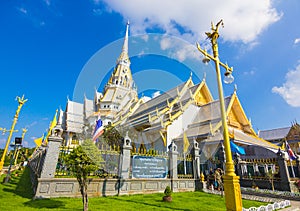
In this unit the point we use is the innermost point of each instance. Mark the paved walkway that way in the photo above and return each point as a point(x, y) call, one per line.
point(295, 205)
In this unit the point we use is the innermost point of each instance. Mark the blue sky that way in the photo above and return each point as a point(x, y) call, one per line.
point(48, 46)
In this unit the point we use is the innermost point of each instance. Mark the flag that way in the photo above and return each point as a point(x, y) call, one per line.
point(38, 141)
point(186, 143)
point(290, 151)
point(53, 123)
point(99, 130)
point(237, 149)
point(44, 139)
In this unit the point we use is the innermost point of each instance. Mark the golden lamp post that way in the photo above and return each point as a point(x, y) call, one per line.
point(232, 188)
point(17, 150)
point(21, 102)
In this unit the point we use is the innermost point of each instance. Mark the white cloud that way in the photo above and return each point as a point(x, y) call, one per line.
point(297, 41)
point(179, 50)
point(2, 141)
point(187, 51)
point(244, 20)
point(251, 72)
point(146, 98)
point(47, 2)
point(145, 37)
point(25, 144)
point(290, 90)
point(165, 43)
point(155, 94)
point(97, 11)
point(96, 1)
point(31, 124)
point(23, 10)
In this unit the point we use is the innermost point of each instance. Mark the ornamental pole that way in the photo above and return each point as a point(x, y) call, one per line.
point(21, 102)
point(233, 198)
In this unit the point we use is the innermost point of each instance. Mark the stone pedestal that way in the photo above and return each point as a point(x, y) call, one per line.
point(173, 154)
point(125, 158)
point(52, 153)
point(232, 192)
point(196, 160)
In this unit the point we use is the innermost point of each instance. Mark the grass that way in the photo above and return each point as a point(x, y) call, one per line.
point(17, 195)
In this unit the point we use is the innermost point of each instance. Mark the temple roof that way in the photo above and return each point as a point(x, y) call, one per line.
point(207, 124)
point(167, 105)
point(207, 120)
point(159, 101)
point(274, 134)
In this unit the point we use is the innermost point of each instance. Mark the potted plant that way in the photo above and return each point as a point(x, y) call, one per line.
point(168, 193)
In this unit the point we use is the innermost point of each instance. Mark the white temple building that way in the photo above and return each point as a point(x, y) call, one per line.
point(186, 109)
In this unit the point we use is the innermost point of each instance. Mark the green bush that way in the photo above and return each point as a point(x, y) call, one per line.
point(168, 191)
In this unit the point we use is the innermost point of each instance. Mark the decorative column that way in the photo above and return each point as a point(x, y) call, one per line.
point(238, 165)
point(125, 158)
point(52, 153)
point(222, 156)
point(298, 166)
point(283, 170)
point(199, 178)
point(196, 160)
point(173, 154)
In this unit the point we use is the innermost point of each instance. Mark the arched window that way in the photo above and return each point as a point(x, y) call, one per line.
point(126, 78)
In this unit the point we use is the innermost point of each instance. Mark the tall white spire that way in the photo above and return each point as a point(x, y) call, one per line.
point(125, 44)
point(120, 90)
point(122, 74)
point(124, 58)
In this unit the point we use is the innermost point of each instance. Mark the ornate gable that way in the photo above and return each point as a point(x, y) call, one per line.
point(294, 133)
point(202, 94)
point(237, 117)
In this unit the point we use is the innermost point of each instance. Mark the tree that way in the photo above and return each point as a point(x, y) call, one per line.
point(112, 136)
point(83, 160)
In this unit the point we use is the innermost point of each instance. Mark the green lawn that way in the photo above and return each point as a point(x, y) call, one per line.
point(17, 195)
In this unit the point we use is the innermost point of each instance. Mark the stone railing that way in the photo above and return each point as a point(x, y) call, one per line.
point(69, 187)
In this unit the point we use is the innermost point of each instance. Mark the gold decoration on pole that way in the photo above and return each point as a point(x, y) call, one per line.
point(232, 188)
point(21, 102)
point(4, 130)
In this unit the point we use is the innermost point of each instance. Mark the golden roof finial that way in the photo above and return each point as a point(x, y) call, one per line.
point(235, 88)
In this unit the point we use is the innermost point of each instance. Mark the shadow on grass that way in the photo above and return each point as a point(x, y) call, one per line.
point(20, 184)
point(24, 186)
point(45, 203)
point(162, 205)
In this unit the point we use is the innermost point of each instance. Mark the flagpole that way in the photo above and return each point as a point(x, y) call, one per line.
point(290, 154)
point(291, 164)
point(184, 163)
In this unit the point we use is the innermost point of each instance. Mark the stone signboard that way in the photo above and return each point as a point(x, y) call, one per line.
point(147, 167)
